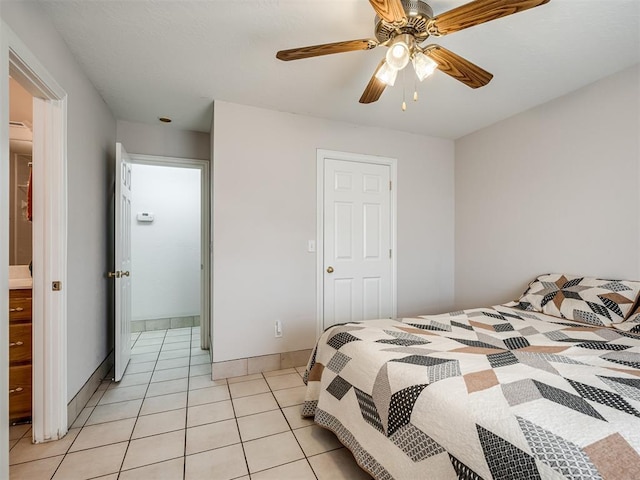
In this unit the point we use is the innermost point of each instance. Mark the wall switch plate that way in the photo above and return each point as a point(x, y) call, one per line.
point(311, 246)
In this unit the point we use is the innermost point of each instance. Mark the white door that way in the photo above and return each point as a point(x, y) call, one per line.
point(122, 271)
point(357, 241)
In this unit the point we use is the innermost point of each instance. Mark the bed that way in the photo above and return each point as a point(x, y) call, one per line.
point(544, 387)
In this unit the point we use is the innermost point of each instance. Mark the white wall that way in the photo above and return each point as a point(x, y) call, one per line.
point(163, 140)
point(90, 156)
point(553, 189)
point(165, 254)
point(264, 212)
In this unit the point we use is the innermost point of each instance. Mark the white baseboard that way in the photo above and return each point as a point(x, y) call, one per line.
point(77, 404)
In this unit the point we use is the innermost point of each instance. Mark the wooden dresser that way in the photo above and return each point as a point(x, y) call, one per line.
point(19, 355)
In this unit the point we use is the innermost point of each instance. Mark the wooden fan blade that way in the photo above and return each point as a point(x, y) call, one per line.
point(389, 10)
point(477, 12)
point(457, 67)
point(326, 49)
point(373, 89)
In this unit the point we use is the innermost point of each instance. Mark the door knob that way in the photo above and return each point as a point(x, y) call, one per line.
point(329, 269)
point(116, 274)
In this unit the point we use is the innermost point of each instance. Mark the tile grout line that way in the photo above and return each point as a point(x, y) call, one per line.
point(235, 417)
point(142, 403)
point(290, 427)
point(82, 427)
point(145, 397)
point(186, 410)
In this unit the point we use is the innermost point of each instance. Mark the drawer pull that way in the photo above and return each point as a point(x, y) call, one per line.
point(16, 390)
point(17, 309)
point(16, 344)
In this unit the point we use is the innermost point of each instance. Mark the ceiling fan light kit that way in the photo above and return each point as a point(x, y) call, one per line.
point(399, 52)
point(402, 25)
point(423, 65)
point(386, 74)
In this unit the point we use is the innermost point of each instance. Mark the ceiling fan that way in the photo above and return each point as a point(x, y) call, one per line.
point(403, 25)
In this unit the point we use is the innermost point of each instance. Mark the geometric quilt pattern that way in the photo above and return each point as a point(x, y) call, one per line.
point(462, 471)
point(604, 397)
point(401, 407)
point(569, 400)
point(594, 301)
point(629, 358)
point(403, 338)
point(338, 362)
point(368, 410)
point(489, 393)
point(564, 457)
point(416, 444)
point(627, 387)
point(505, 459)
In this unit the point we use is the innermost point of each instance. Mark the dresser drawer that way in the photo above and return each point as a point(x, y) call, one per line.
point(19, 392)
point(19, 343)
point(20, 306)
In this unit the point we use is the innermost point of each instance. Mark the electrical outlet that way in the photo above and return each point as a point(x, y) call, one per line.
point(278, 329)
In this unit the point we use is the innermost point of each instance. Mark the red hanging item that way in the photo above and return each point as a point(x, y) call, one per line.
point(29, 197)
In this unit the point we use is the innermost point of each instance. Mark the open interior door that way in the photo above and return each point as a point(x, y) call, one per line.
point(122, 271)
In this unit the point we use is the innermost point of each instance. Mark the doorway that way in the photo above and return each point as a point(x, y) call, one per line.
point(49, 226)
point(20, 253)
point(20, 153)
point(356, 237)
point(170, 248)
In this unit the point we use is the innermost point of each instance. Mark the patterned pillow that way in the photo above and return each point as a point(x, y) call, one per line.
point(590, 300)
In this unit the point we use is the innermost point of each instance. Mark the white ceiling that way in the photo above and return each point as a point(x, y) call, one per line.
point(173, 58)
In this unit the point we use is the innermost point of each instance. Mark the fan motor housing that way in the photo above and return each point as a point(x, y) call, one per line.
point(418, 14)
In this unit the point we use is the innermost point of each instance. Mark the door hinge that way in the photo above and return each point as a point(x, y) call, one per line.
point(56, 286)
point(390, 184)
point(389, 253)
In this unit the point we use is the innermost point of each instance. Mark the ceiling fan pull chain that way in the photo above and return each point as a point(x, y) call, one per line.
point(415, 89)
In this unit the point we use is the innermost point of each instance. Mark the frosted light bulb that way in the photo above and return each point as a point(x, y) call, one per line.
point(398, 55)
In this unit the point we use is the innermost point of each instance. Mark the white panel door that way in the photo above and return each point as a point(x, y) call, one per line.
point(121, 273)
point(357, 242)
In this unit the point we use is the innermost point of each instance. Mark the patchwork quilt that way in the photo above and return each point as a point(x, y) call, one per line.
point(489, 393)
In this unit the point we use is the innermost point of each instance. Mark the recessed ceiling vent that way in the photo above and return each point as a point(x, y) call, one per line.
point(19, 131)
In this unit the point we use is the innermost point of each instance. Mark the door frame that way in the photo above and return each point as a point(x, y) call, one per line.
point(205, 230)
point(49, 400)
point(321, 156)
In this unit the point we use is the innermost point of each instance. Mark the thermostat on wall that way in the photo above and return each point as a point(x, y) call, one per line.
point(145, 217)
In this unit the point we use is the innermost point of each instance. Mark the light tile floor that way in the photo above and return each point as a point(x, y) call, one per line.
point(166, 419)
